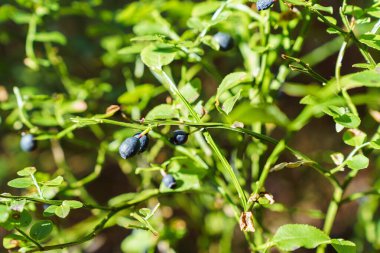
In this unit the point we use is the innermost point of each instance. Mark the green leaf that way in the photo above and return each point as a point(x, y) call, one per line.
point(371, 40)
point(145, 211)
point(133, 49)
point(211, 42)
point(72, 204)
point(54, 182)
point(155, 57)
point(12, 241)
point(296, 2)
point(205, 8)
point(62, 211)
point(138, 241)
point(328, 9)
point(163, 111)
point(49, 192)
point(19, 219)
point(189, 92)
point(41, 229)
point(229, 104)
point(122, 198)
point(342, 117)
point(348, 120)
point(232, 80)
point(28, 171)
point(22, 182)
point(186, 174)
point(55, 36)
point(354, 137)
point(247, 113)
point(138, 93)
point(342, 246)
point(4, 213)
point(358, 162)
point(50, 210)
point(374, 11)
point(375, 144)
point(367, 78)
point(293, 236)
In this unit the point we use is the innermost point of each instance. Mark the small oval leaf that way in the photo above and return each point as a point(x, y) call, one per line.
point(41, 229)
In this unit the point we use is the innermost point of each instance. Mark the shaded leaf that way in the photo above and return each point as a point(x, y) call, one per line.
point(41, 229)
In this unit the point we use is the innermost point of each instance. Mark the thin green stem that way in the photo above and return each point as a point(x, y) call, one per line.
point(30, 37)
point(97, 170)
point(37, 186)
point(53, 202)
point(214, 16)
point(264, 58)
point(281, 146)
point(20, 106)
point(30, 238)
point(338, 67)
point(359, 195)
point(331, 214)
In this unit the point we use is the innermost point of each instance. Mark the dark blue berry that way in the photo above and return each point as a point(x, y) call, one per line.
point(144, 142)
point(264, 4)
point(169, 181)
point(28, 143)
point(224, 40)
point(179, 137)
point(129, 147)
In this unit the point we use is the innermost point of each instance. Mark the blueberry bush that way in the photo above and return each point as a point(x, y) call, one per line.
point(190, 126)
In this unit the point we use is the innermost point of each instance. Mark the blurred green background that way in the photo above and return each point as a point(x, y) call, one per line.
point(86, 75)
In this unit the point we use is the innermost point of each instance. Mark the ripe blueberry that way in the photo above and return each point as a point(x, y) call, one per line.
point(264, 4)
point(129, 147)
point(224, 40)
point(28, 143)
point(179, 137)
point(144, 142)
point(169, 181)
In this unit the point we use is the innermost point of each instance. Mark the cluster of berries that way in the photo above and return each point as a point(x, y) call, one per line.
point(139, 143)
